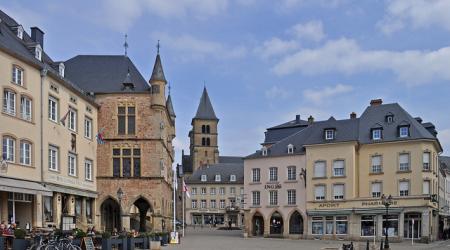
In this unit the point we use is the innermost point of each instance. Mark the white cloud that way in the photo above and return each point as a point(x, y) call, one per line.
point(318, 96)
point(289, 4)
point(276, 93)
point(193, 48)
point(275, 46)
point(345, 56)
point(312, 30)
point(180, 144)
point(417, 13)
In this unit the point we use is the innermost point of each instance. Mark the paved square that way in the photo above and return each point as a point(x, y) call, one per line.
point(207, 239)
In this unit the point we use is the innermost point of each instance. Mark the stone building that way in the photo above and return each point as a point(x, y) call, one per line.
point(48, 142)
point(137, 123)
point(204, 169)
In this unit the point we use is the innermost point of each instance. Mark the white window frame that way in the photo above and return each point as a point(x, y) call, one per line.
point(72, 120)
point(292, 197)
point(72, 164)
point(426, 162)
point(256, 175)
point(320, 197)
point(61, 69)
point(232, 177)
point(194, 191)
point(401, 131)
point(9, 102)
point(212, 203)
point(256, 198)
point(20, 31)
point(222, 204)
point(203, 178)
point(403, 166)
point(338, 172)
point(329, 134)
point(217, 178)
point(264, 151)
point(17, 75)
point(376, 168)
point(338, 196)
point(222, 191)
point(26, 107)
point(88, 164)
point(273, 174)
point(373, 192)
point(292, 173)
point(9, 148)
point(232, 190)
point(203, 191)
point(38, 52)
point(88, 127)
point(194, 204)
point(203, 204)
point(212, 191)
point(25, 152)
point(290, 149)
point(273, 198)
point(376, 134)
point(403, 192)
point(426, 186)
point(53, 158)
point(53, 106)
point(317, 173)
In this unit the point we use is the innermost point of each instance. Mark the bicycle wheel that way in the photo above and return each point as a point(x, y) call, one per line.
point(51, 247)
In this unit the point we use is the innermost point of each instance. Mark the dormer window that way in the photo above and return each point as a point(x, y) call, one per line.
point(232, 177)
point(329, 134)
point(403, 131)
point(290, 149)
point(61, 69)
point(377, 134)
point(19, 32)
point(264, 151)
point(389, 118)
point(203, 177)
point(217, 177)
point(38, 52)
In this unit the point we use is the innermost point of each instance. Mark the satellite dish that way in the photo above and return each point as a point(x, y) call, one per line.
point(3, 166)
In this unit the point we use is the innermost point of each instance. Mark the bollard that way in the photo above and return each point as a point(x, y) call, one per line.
point(381, 245)
point(367, 245)
point(351, 245)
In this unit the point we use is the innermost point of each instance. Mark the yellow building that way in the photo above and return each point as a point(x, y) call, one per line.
point(48, 142)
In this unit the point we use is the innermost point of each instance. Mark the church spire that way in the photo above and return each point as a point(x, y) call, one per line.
point(205, 110)
point(158, 73)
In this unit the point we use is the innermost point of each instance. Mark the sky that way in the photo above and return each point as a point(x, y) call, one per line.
point(264, 61)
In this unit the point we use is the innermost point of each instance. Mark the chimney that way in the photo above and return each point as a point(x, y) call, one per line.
point(310, 119)
point(352, 115)
point(297, 119)
point(376, 102)
point(37, 35)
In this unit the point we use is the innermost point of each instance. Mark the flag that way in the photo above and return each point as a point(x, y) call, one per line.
point(99, 137)
point(186, 190)
point(63, 119)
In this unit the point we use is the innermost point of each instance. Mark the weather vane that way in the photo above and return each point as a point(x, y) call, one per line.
point(157, 47)
point(125, 45)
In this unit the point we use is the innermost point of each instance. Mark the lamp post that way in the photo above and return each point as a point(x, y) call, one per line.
point(120, 196)
point(387, 201)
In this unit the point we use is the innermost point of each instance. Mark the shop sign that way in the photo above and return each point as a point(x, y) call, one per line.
point(328, 205)
point(272, 186)
point(375, 203)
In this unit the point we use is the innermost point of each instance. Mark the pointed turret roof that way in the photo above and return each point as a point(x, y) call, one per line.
point(205, 109)
point(169, 106)
point(158, 73)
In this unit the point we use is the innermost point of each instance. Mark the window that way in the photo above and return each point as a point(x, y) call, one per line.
point(273, 197)
point(126, 120)
point(319, 169)
point(392, 225)
point(389, 118)
point(426, 161)
point(341, 225)
point(232, 190)
point(203, 191)
point(403, 131)
point(89, 210)
point(194, 191)
point(232, 177)
point(126, 162)
point(338, 168)
point(212, 191)
point(256, 198)
point(273, 174)
point(329, 225)
point(222, 204)
point(9, 148)
point(319, 193)
point(376, 134)
point(20, 32)
point(426, 187)
point(404, 188)
point(25, 153)
point(217, 177)
point(203, 204)
point(203, 177)
point(17, 75)
point(222, 191)
point(53, 109)
point(404, 162)
point(78, 202)
point(88, 170)
point(53, 154)
point(72, 163)
point(72, 119)
point(61, 69)
point(194, 204)
point(290, 149)
point(368, 225)
point(376, 164)
point(38, 52)
point(329, 134)
point(48, 208)
point(256, 175)
point(25, 108)
point(292, 197)
point(264, 151)
point(212, 203)
point(376, 189)
point(292, 173)
point(317, 225)
point(208, 142)
point(338, 191)
point(9, 102)
point(88, 127)
point(241, 191)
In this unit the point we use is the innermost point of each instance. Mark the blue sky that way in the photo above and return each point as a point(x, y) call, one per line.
point(264, 61)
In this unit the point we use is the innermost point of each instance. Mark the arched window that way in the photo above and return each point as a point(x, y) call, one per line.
point(208, 141)
point(203, 129)
point(208, 131)
point(203, 141)
point(296, 223)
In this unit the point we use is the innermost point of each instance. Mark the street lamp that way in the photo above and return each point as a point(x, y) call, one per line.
point(387, 201)
point(120, 196)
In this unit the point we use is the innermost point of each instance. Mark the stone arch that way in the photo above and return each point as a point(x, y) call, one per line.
point(110, 214)
point(276, 223)
point(296, 222)
point(140, 211)
point(257, 225)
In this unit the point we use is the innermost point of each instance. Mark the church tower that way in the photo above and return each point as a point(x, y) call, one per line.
point(204, 135)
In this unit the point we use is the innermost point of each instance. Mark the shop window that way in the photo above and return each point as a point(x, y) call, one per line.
point(392, 224)
point(317, 225)
point(89, 211)
point(329, 225)
point(78, 202)
point(341, 225)
point(48, 209)
point(368, 225)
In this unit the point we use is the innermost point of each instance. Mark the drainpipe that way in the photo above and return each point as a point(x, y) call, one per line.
point(43, 75)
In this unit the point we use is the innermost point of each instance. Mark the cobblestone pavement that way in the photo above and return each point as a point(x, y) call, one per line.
point(212, 239)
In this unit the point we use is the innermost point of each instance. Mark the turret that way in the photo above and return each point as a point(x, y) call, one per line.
point(158, 83)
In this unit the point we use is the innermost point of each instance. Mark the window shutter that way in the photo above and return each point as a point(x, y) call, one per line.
point(404, 185)
point(319, 169)
point(404, 158)
point(376, 187)
point(376, 160)
point(320, 191)
point(426, 187)
point(426, 157)
point(338, 190)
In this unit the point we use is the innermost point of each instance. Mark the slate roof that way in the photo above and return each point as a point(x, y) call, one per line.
point(273, 135)
point(186, 161)
point(224, 169)
point(158, 73)
point(169, 106)
point(104, 73)
point(445, 162)
point(205, 110)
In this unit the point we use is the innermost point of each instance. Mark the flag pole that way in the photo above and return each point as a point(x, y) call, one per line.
point(183, 205)
point(174, 200)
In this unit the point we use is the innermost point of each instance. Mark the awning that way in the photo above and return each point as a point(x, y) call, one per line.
point(328, 212)
point(366, 211)
point(74, 191)
point(22, 186)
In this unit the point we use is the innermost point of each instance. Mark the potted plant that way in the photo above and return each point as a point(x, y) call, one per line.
point(155, 243)
point(164, 238)
point(78, 236)
point(19, 242)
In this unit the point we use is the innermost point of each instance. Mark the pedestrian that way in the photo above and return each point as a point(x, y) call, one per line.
point(229, 225)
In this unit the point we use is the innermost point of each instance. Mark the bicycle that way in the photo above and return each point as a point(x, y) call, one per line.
point(66, 244)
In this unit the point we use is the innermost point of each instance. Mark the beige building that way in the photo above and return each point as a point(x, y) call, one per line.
point(48, 163)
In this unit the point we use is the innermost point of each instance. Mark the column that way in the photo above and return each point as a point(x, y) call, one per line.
point(83, 211)
point(37, 211)
point(57, 209)
point(71, 205)
point(3, 206)
point(425, 224)
point(126, 221)
point(401, 225)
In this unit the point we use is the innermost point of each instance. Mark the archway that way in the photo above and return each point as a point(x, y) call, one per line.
point(140, 212)
point(296, 223)
point(110, 212)
point(257, 225)
point(276, 223)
